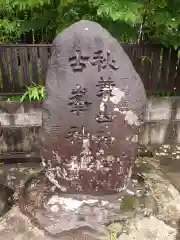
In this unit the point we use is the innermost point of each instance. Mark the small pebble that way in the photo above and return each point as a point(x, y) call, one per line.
point(165, 146)
point(162, 154)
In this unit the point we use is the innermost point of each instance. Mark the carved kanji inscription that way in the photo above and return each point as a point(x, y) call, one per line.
point(78, 101)
point(77, 134)
point(105, 87)
point(103, 137)
point(103, 115)
point(78, 62)
point(102, 61)
point(105, 91)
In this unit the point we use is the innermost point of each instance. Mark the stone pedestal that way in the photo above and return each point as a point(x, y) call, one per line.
point(58, 213)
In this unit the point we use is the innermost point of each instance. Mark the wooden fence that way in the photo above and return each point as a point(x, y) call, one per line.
point(21, 65)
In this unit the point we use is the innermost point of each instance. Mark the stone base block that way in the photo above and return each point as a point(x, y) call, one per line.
point(59, 214)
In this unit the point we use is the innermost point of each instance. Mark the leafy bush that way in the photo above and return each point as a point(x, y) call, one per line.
point(34, 92)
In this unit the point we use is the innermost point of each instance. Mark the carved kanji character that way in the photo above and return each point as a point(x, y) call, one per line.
point(78, 101)
point(77, 134)
point(103, 115)
point(103, 138)
point(103, 61)
point(78, 62)
point(106, 87)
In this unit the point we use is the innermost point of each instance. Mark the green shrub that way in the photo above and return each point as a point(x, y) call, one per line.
point(34, 92)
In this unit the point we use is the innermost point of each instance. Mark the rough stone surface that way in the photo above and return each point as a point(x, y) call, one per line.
point(16, 226)
point(57, 212)
point(6, 199)
point(169, 162)
point(149, 229)
point(167, 197)
point(154, 215)
point(92, 90)
point(15, 175)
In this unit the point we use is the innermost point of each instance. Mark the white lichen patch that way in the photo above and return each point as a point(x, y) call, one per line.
point(116, 109)
point(43, 163)
point(51, 176)
point(161, 154)
point(131, 118)
point(99, 165)
point(86, 155)
point(117, 95)
point(69, 204)
point(134, 138)
point(110, 158)
point(102, 106)
point(73, 165)
point(55, 208)
point(104, 203)
point(10, 177)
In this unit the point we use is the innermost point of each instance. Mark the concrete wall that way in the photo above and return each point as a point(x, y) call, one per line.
point(21, 125)
point(22, 121)
point(162, 125)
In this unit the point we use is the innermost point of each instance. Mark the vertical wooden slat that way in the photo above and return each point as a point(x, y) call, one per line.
point(172, 69)
point(138, 54)
point(146, 67)
point(34, 63)
point(131, 53)
point(43, 53)
point(164, 69)
point(153, 84)
point(49, 51)
point(6, 82)
point(126, 49)
point(23, 54)
point(142, 68)
point(140, 60)
point(149, 55)
point(14, 69)
point(133, 56)
point(2, 69)
point(177, 78)
point(150, 59)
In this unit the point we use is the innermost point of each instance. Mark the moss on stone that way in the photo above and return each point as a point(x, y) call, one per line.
point(128, 203)
point(114, 229)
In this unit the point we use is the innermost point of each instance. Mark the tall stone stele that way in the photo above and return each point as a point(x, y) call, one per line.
point(93, 113)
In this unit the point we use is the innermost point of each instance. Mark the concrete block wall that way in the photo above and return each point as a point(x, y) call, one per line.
point(22, 122)
point(162, 122)
point(21, 125)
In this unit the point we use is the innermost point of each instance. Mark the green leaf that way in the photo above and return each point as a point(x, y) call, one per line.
point(24, 96)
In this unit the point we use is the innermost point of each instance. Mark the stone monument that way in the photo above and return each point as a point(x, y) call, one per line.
point(92, 117)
